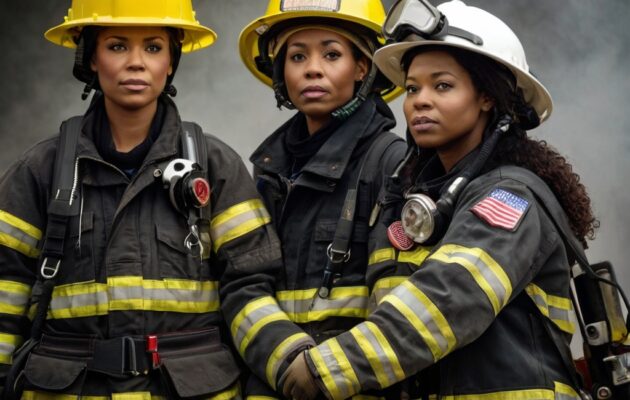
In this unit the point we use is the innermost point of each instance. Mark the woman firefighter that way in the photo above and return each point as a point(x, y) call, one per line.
point(321, 172)
point(115, 234)
point(473, 273)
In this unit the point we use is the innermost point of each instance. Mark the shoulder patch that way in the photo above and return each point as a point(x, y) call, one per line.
point(502, 209)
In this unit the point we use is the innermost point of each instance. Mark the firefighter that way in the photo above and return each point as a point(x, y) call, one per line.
point(484, 312)
point(135, 307)
point(329, 157)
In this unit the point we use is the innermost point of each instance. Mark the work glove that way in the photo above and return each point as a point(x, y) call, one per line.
point(298, 383)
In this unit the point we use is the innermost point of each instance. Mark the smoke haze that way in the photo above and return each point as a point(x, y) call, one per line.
point(579, 49)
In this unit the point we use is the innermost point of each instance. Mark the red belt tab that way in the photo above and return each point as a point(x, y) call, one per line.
point(152, 347)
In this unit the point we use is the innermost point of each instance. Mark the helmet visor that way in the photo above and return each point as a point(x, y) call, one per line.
point(412, 16)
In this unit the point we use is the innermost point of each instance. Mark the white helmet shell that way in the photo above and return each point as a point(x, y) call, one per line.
point(500, 43)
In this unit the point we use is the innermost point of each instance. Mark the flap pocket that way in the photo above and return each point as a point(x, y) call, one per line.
point(325, 231)
point(172, 236)
point(202, 374)
point(49, 373)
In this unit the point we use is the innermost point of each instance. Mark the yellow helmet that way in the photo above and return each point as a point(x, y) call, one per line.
point(366, 13)
point(169, 13)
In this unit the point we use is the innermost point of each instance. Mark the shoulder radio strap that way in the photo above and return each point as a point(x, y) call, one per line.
point(339, 250)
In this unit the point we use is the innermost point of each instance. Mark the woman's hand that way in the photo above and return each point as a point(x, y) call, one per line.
point(299, 383)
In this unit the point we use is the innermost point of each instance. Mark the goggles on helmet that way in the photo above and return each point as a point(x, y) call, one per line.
point(421, 18)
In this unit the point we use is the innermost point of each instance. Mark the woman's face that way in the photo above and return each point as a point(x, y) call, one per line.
point(320, 72)
point(132, 64)
point(443, 109)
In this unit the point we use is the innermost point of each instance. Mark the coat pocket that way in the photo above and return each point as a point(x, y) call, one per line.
point(203, 373)
point(54, 374)
point(174, 259)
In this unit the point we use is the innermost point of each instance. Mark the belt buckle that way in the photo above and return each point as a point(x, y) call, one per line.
point(129, 356)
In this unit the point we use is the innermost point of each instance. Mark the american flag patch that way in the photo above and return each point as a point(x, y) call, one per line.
point(501, 208)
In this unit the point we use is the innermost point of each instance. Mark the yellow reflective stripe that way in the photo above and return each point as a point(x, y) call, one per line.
point(252, 318)
point(383, 286)
point(415, 256)
point(565, 392)
point(371, 355)
point(557, 309)
point(37, 395)
point(19, 235)
point(8, 344)
point(14, 297)
point(279, 353)
point(261, 398)
point(527, 394)
point(237, 221)
point(335, 369)
point(124, 293)
point(417, 324)
point(483, 268)
point(387, 351)
point(381, 255)
point(304, 306)
point(232, 392)
point(132, 396)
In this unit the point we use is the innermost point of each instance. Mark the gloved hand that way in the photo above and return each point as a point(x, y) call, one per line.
point(298, 381)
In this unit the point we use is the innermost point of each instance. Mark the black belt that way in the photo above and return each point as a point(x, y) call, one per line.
point(126, 355)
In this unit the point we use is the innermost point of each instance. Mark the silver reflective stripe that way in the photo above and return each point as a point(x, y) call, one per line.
point(313, 5)
point(420, 310)
point(306, 306)
point(14, 297)
point(487, 273)
point(558, 309)
point(376, 355)
point(17, 239)
point(252, 318)
point(565, 392)
point(334, 370)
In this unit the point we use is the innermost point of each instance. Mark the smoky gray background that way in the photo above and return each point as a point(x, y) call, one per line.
point(580, 49)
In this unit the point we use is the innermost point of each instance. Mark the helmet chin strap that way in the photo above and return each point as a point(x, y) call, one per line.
point(345, 111)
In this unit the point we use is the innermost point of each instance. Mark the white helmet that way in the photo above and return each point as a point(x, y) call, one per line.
point(498, 42)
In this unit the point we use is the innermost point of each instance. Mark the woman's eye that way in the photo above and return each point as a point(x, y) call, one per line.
point(332, 55)
point(443, 86)
point(117, 47)
point(410, 89)
point(154, 48)
point(297, 57)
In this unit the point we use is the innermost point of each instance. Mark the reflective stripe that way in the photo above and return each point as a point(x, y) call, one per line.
point(19, 235)
point(382, 255)
point(335, 369)
point(383, 286)
point(425, 317)
point(261, 398)
point(14, 297)
point(233, 392)
point(305, 305)
point(252, 318)
point(557, 309)
point(8, 344)
point(415, 256)
point(279, 354)
point(528, 394)
point(379, 353)
point(237, 221)
point(488, 274)
point(565, 392)
point(127, 293)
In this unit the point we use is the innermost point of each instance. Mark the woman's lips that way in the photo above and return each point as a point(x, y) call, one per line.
point(422, 124)
point(135, 85)
point(314, 92)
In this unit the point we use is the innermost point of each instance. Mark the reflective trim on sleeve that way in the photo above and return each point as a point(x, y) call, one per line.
point(335, 369)
point(8, 344)
point(379, 353)
point(280, 353)
point(14, 297)
point(425, 318)
point(415, 256)
point(524, 394)
point(565, 392)
point(557, 309)
point(252, 318)
point(233, 392)
point(133, 293)
point(488, 274)
point(237, 221)
point(382, 255)
point(304, 306)
point(19, 235)
point(39, 395)
point(383, 286)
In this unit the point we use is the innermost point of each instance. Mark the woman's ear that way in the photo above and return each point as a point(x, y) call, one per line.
point(487, 102)
point(362, 69)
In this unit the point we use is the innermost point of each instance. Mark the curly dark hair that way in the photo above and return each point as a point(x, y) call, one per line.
point(515, 147)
